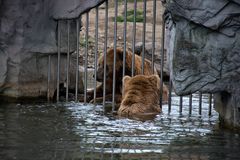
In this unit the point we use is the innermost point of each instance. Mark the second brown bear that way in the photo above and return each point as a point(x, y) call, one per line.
point(118, 73)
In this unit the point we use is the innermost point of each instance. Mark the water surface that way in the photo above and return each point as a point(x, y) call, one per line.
point(76, 131)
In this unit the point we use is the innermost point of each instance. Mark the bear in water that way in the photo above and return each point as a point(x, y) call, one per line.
point(118, 72)
point(141, 95)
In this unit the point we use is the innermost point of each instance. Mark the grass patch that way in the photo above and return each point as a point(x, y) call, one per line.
point(83, 42)
point(130, 1)
point(130, 16)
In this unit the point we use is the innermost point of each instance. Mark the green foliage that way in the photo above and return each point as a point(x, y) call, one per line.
point(130, 16)
point(129, 1)
point(82, 41)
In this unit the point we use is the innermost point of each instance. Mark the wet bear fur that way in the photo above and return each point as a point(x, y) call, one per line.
point(141, 96)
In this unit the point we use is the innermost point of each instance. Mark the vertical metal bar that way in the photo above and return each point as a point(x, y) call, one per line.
point(58, 59)
point(112, 150)
point(134, 36)
point(93, 149)
point(124, 36)
point(68, 57)
point(210, 105)
point(86, 58)
point(162, 59)
point(96, 53)
point(102, 151)
point(170, 95)
point(144, 34)
point(105, 51)
point(77, 60)
point(153, 32)
point(49, 77)
point(181, 104)
point(200, 104)
point(114, 60)
point(190, 104)
point(121, 142)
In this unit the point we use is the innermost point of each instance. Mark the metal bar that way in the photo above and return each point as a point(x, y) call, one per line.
point(105, 51)
point(210, 105)
point(170, 95)
point(134, 36)
point(49, 77)
point(200, 104)
point(112, 150)
point(190, 104)
point(153, 32)
point(124, 36)
point(86, 58)
point(144, 34)
point(68, 57)
point(58, 59)
point(102, 151)
point(121, 142)
point(77, 61)
point(162, 59)
point(93, 147)
point(96, 52)
point(114, 60)
point(180, 104)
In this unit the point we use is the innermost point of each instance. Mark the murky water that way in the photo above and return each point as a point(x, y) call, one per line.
point(74, 131)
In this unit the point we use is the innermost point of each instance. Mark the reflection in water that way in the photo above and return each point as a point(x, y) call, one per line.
point(75, 131)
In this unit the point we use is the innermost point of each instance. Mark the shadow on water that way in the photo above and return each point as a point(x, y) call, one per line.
point(75, 131)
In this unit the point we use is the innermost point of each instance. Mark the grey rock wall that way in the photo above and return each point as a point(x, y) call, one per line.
point(62, 9)
point(28, 35)
point(203, 40)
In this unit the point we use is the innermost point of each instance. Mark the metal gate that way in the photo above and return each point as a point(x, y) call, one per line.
point(132, 25)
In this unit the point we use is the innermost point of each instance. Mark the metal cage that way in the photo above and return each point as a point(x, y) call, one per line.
point(103, 27)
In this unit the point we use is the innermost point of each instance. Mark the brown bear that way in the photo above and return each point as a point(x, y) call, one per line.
point(140, 96)
point(119, 73)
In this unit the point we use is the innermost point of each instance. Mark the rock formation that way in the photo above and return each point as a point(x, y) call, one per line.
point(28, 35)
point(203, 44)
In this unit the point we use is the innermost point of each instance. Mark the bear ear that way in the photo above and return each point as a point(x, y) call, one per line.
point(155, 80)
point(126, 79)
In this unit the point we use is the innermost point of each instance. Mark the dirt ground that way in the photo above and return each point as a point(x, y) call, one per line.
point(120, 29)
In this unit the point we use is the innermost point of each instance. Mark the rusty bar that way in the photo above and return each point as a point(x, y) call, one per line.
point(134, 36)
point(58, 59)
point(162, 59)
point(114, 60)
point(96, 52)
point(200, 104)
point(144, 33)
point(154, 32)
point(77, 61)
point(68, 57)
point(86, 58)
point(105, 51)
